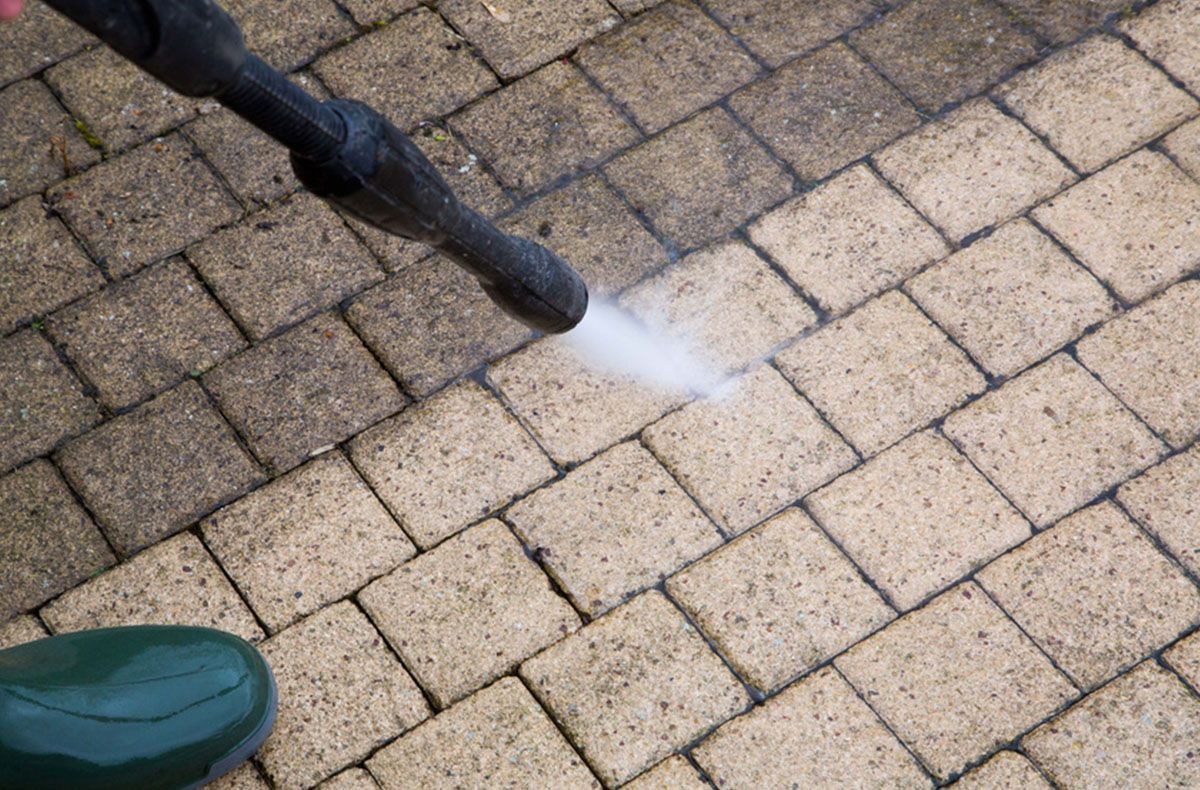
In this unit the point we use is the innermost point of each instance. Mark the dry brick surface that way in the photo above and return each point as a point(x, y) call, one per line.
point(940, 524)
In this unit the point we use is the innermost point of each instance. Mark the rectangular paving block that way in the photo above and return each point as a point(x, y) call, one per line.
point(48, 544)
point(288, 39)
point(371, 12)
point(1150, 357)
point(955, 679)
point(1052, 439)
point(779, 600)
point(500, 737)
point(1060, 21)
point(778, 30)
point(145, 334)
point(1011, 298)
point(38, 38)
point(1184, 658)
point(1134, 224)
point(467, 611)
point(245, 777)
point(881, 372)
point(1005, 770)
point(612, 527)
point(973, 168)
point(41, 143)
point(151, 472)
point(448, 462)
point(1162, 499)
point(305, 540)
point(175, 582)
point(296, 394)
point(633, 686)
point(825, 110)
point(667, 63)
point(1168, 34)
point(350, 779)
point(20, 630)
point(817, 733)
point(848, 239)
point(1183, 145)
point(673, 773)
point(917, 517)
point(1096, 101)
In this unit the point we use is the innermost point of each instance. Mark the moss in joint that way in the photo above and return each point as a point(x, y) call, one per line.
point(92, 140)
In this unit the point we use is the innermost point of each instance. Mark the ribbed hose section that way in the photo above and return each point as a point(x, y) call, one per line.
point(266, 99)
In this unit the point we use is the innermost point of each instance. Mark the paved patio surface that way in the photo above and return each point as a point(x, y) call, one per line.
point(946, 528)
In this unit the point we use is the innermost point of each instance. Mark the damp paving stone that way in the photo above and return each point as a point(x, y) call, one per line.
point(1135, 224)
point(1052, 439)
point(612, 527)
point(1138, 731)
point(1184, 658)
point(551, 124)
point(144, 205)
point(633, 686)
point(289, 38)
point(373, 12)
point(41, 266)
point(1006, 771)
point(917, 517)
point(342, 694)
point(725, 302)
point(666, 64)
point(145, 334)
point(41, 144)
point(964, 46)
point(467, 611)
point(117, 102)
point(955, 679)
point(673, 773)
point(414, 68)
point(284, 264)
point(305, 540)
point(1168, 34)
point(779, 600)
point(1183, 145)
point(701, 179)
point(296, 394)
point(175, 582)
point(1060, 21)
point(751, 453)
point(41, 401)
point(38, 38)
point(1096, 101)
point(245, 777)
point(1150, 357)
point(1162, 499)
point(779, 30)
point(499, 737)
point(824, 111)
point(48, 544)
point(973, 168)
point(1011, 298)
point(881, 372)
point(631, 7)
point(448, 461)
point(150, 473)
point(20, 630)
point(817, 733)
point(1095, 593)
point(848, 239)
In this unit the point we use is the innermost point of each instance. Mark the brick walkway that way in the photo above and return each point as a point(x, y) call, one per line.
point(949, 527)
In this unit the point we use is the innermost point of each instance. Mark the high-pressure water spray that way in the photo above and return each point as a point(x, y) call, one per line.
point(343, 151)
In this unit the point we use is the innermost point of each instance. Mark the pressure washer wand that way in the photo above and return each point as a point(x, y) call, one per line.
point(343, 151)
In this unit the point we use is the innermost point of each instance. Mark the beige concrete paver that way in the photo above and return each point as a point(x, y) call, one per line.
point(881, 372)
point(751, 453)
point(370, 12)
point(38, 38)
point(426, 466)
point(917, 517)
point(779, 600)
point(305, 540)
point(973, 168)
point(48, 543)
point(1135, 224)
point(817, 733)
point(245, 777)
point(1052, 439)
point(1184, 658)
point(41, 143)
point(142, 335)
point(633, 686)
point(848, 239)
point(612, 527)
point(778, 30)
point(175, 582)
point(1163, 500)
point(955, 679)
point(1095, 593)
point(467, 611)
point(673, 773)
point(1006, 771)
point(1184, 145)
point(1150, 357)
point(1011, 298)
point(287, 40)
point(1168, 34)
point(254, 165)
point(500, 737)
point(342, 693)
point(1096, 101)
point(1138, 731)
point(149, 473)
point(1061, 21)
point(350, 779)
point(20, 630)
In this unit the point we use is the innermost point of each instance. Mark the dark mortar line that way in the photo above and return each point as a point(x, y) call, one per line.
point(752, 693)
point(354, 601)
point(243, 443)
point(619, 107)
point(690, 760)
point(86, 387)
point(553, 719)
point(196, 531)
point(672, 252)
point(951, 244)
point(774, 363)
point(1110, 27)
point(1002, 106)
point(1155, 540)
point(1073, 353)
point(1187, 684)
point(186, 257)
point(727, 535)
point(1034, 529)
point(97, 524)
point(472, 49)
point(763, 66)
point(557, 585)
point(989, 379)
point(344, 448)
point(802, 505)
point(487, 385)
point(1049, 780)
point(799, 185)
point(1023, 24)
point(248, 208)
point(1122, 304)
point(409, 397)
point(1080, 690)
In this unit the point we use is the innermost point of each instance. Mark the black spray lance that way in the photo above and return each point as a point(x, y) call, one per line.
point(343, 151)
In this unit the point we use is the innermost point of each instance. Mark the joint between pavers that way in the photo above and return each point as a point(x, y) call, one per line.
point(1114, 498)
point(558, 725)
point(353, 600)
point(862, 574)
point(1002, 107)
point(556, 584)
point(198, 533)
point(860, 458)
point(702, 7)
point(1110, 27)
point(756, 696)
point(1080, 691)
point(1073, 352)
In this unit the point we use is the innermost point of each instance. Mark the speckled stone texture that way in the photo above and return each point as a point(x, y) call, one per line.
point(778, 30)
point(244, 777)
point(1061, 21)
point(20, 630)
point(42, 145)
point(1184, 658)
point(371, 12)
point(1163, 500)
point(286, 40)
point(1006, 771)
point(1184, 145)
point(673, 773)
point(39, 37)
point(350, 779)
point(1167, 33)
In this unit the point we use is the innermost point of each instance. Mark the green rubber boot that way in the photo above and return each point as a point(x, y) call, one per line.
point(138, 707)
